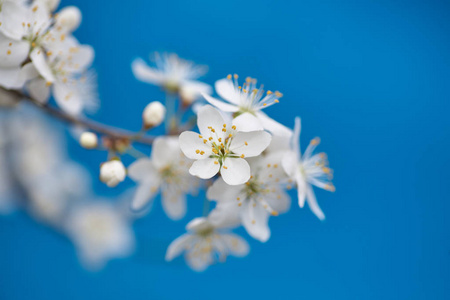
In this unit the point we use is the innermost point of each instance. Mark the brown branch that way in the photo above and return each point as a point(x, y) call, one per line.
point(89, 124)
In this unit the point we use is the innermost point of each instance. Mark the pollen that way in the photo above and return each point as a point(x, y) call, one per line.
point(230, 135)
point(269, 92)
point(216, 162)
point(269, 165)
point(242, 155)
point(220, 140)
point(197, 151)
point(229, 76)
point(224, 129)
point(238, 199)
point(48, 83)
point(278, 94)
point(236, 76)
point(204, 141)
point(275, 166)
point(315, 141)
point(240, 204)
point(35, 8)
point(246, 144)
point(49, 53)
point(200, 136)
point(233, 127)
point(225, 167)
point(274, 213)
point(276, 101)
point(224, 125)
point(10, 44)
point(210, 138)
point(202, 152)
point(264, 104)
point(253, 221)
point(8, 52)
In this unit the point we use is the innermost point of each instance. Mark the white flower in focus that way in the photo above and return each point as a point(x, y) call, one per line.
point(112, 172)
point(247, 102)
point(100, 233)
point(153, 114)
point(255, 201)
point(88, 140)
point(308, 170)
point(165, 171)
point(174, 74)
point(221, 147)
point(204, 244)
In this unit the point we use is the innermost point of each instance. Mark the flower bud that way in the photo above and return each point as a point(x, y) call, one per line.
point(69, 18)
point(88, 140)
point(112, 172)
point(188, 95)
point(153, 114)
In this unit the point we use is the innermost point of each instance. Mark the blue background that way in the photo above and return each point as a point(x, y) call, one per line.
point(369, 77)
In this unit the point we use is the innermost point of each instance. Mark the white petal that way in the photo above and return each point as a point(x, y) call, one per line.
point(190, 142)
point(12, 15)
point(236, 244)
point(296, 138)
point(80, 59)
point(205, 168)
point(247, 122)
point(12, 53)
point(235, 171)
point(208, 116)
point(301, 189)
point(290, 163)
point(166, 151)
point(312, 203)
point(199, 261)
point(220, 104)
point(225, 89)
point(281, 202)
point(15, 78)
point(221, 191)
point(141, 169)
point(39, 90)
point(37, 56)
point(197, 224)
point(173, 202)
point(68, 98)
point(255, 220)
point(273, 126)
point(225, 215)
point(145, 192)
point(196, 87)
point(250, 143)
point(178, 246)
point(146, 74)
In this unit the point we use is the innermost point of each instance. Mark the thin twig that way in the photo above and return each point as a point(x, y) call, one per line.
point(89, 124)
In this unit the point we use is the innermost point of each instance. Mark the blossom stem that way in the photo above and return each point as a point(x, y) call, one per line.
point(205, 207)
point(89, 124)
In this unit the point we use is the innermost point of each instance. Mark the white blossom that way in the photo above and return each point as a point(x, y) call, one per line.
point(308, 170)
point(112, 172)
point(153, 114)
point(247, 103)
point(221, 147)
point(172, 73)
point(165, 171)
point(100, 232)
point(205, 243)
point(255, 201)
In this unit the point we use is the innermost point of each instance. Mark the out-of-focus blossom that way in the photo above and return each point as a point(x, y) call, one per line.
point(247, 103)
point(153, 114)
point(255, 201)
point(173, 74)
point(165, 171)
point(308, 170)
point(205, 243)
point(221, 147)
point(112, 172)
point(100, 232)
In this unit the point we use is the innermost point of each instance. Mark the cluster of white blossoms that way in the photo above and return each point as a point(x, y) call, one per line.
point(244, 161)
point(39, 53)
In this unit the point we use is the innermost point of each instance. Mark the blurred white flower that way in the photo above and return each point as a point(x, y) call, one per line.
point(166, 170)
point(172, 73)
point(308, 170)
point(204, 244)
point(247, 102)
point(112, 172)
point(221, 147)
point(153, 114)
point(253, 202)
point(100, 233)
